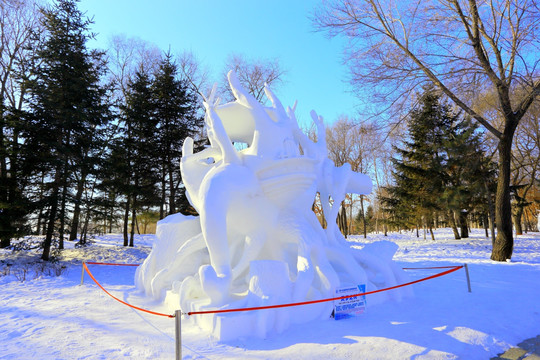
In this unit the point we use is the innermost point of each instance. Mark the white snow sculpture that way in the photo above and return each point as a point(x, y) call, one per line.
point(256, 241)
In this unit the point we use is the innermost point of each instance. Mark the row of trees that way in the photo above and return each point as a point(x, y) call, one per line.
point(468, 49)
point(69, 145)
point(90, 137)
point(438, 169)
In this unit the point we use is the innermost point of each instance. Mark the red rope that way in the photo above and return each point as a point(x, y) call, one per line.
point(117, 299)
point(454, 268)
point(451, 270)
point(433, 267)
point(99, 263)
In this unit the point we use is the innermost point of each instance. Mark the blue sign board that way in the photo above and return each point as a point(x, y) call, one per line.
point(350, 306)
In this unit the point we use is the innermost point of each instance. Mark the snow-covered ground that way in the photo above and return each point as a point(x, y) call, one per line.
point(45, 316)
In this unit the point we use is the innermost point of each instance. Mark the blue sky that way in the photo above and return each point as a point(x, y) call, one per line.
point(213, 29)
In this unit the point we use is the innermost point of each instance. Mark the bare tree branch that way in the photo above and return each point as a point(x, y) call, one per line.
point(253, 75)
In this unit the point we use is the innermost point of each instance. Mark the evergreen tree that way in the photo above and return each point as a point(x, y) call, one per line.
point(88, 158)
point(419, 176)
point(365, 221)
point(467, 169)
point(139, 151)
point(67, 106)
point(442, 168)
point(177, 118)
point(14, 202)
point(112, 171)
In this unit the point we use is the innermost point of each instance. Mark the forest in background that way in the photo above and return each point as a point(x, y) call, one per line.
point(90, 140)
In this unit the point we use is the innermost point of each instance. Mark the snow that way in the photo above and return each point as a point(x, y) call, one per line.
point(54, 317)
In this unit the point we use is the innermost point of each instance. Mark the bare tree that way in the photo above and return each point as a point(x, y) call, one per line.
point(340, 146)
point(253, 74)
point(349, 141)
point(381, 157)
point(19, 19)
point(194, 72)
point(461, 46)
point(126, 56)
point(525, 163)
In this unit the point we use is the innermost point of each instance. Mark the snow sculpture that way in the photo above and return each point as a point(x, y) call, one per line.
point(256, 241)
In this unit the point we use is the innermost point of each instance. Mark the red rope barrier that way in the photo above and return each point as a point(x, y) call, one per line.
point(100, 263)
point(451, 270)
point(433, 267)
point(117, 299)
point(454, 268)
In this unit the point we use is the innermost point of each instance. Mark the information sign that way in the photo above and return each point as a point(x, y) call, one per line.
point(350, 306)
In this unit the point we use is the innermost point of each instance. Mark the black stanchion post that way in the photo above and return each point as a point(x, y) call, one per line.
point(178, 333)
point(468, 278)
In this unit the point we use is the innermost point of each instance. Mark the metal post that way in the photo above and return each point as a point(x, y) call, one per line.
point(178, 333)
point(468, 278)
point(82, 275)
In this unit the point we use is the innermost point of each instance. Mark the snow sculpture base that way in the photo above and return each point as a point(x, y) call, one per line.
point(232, 326)
point(257, 242)
point(269, 285)
point(179, 248)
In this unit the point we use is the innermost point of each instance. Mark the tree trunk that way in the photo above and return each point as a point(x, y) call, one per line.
point(84, 230)
point(528, 224)
point(377, 216)
point(111, 214)
point(137, 226)
point(453, 225)
point(62, 215)
point(133, 217)
point(40, 219)
point(126, 222)
point(52, 217)
point(486, 224)
point(463, 224)
point(172, 190)
point(5, 237)
point(491, 213)
point(504, 241)
point(342, 219)
point(518, 214)
point(163, 195)
point(363, 214)
point(77, 209)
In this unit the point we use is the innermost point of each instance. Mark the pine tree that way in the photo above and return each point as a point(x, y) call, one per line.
point(89, 174)
point(467, 170)
point(419, 177)
point(14, 202)
point(139, 150)
point(442, 168)
point(177, 118)
point(67, 106)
